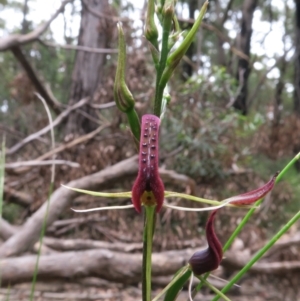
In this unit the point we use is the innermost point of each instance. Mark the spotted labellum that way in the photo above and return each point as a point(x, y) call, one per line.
point(148, 188)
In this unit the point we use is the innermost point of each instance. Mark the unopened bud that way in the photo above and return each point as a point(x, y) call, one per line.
point(174, 59)
point(151, 32)
point(168, 9)
point(123, 97)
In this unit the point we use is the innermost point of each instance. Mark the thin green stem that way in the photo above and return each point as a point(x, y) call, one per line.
point(44, 225)
point(162, 65)
point(214, 289)
point(147, 251)
point(43, 232)
point(2, 170)
point(171, 283)
point(259, 254)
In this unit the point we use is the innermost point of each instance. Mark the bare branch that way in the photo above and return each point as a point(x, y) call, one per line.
point(14, 40)
point(49, 98)
point(17, 197)
point(106, 264)
point(105, 16)
point(34, 163)
point(46, 129)
point(60, 200)
point(74, 142)
point(79, 48)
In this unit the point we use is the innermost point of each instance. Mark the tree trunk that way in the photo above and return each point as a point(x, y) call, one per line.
point(244, 41)
point(296, 147)
point(87, 74)
point(297, 62)
point(187, 68)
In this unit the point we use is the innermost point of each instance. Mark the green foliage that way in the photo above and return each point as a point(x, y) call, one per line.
point(11, 212)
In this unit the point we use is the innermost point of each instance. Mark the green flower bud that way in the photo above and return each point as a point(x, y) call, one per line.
point(151, 32)
point(168, 9)
point(174, 58)
point(123, 97)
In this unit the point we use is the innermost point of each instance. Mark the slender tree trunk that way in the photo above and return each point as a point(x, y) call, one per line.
point(244, 41)
point(88, 69)
point(187, 68)
point(297, 61)
point(297, 78)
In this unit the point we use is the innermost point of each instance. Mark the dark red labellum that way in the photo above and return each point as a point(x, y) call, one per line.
point(148, 187)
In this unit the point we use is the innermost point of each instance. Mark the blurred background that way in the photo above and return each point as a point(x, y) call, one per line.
point(232, 122)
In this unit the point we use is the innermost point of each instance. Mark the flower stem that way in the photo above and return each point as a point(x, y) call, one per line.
point(167, 23)
point(147, 251)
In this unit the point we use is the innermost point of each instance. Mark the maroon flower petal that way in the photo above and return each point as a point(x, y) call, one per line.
point(252, 196)
point(209, 259)
point(148, 187)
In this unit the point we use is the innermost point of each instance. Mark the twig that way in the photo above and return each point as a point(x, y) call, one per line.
point(45, 130)
point(61, 200)
point(10, 41)
point(38, 84)
point(103, 106)
point(40, 163)
point(105, 16)
point(79, 48)
point(74, 142)
point(18, 197)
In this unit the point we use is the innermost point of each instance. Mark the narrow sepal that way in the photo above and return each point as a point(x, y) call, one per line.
point(252, 196)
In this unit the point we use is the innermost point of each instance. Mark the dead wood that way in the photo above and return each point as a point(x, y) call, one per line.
point(46, 129)
point(106, 264)
point(233, 262)
point(60, 200)
point(74, 142)
point(13, 40)
point(79, 48)
point(37, 82)
point(88, 244)
point(34, 163)
point(17, 197)
point(115, 266)
point(178, 179)
point(6, 229)
point(24, 239)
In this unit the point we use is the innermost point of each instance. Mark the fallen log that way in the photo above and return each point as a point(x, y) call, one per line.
point(60, 200)
point(105, 264)
point(118, 267)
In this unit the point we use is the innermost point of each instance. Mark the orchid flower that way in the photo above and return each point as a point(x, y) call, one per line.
point(148, 188)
